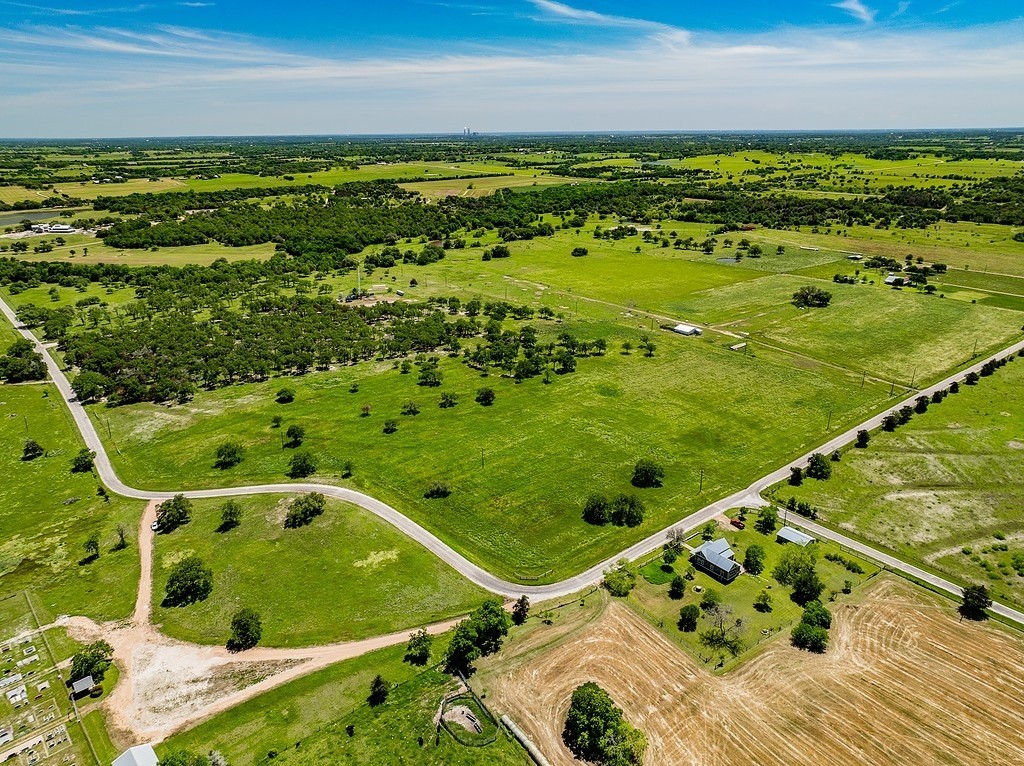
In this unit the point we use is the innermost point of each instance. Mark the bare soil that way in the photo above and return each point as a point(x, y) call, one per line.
point(903, 682)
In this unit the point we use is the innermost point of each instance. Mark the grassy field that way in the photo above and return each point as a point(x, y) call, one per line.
point(650, 597)
point(944, 490)
point(89, 190)
point(357, 576)
point(47, 513)
point(305, 720)
point(482, 187)
point(520, 518)
point(202, 255)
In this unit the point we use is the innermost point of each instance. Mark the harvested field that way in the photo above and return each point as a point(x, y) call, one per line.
point(902, 682)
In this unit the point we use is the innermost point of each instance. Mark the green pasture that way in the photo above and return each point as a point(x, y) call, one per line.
point(650, 598)
point(347, 575)
point(393, 733)
point(521, 469)
point(867, 328)
point(11, 194)
point(47, 512)
point(202, 255)
point(939, 489)
point(484, 186)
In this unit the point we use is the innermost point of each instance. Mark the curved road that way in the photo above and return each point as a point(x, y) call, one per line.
point(749, 497)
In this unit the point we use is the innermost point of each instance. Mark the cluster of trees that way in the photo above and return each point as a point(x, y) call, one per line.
point(174, 513)
point(619, 580)
point(304, 509)
point(22, 363)
point(811, 297)
point(596, 731)
point(92, 660)
point(796, 568)
point(811, 633)
point(622, 510)
point(479, 635)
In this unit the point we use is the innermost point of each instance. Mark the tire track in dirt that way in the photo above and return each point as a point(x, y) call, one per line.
point(902, 682)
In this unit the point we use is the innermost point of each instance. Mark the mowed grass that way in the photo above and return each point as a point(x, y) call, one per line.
point(89, 190)
point(483, 187)
point(521, 469)
point(897, 335)
point(201, 255)
point(650, 598)
point(939, 489)
point(345, 576)
point(47, 512)
point(11, 194)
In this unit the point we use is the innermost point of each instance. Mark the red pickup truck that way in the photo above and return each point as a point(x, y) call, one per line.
point(737, 523)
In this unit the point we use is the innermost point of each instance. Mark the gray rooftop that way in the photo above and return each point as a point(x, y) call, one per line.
point(795, 536)
point(82, 685)
point(718, 553)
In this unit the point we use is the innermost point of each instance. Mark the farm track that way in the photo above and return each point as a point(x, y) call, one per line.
point(749, 497)
point(902, 682)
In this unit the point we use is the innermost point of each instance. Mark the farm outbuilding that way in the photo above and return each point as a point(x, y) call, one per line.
point(140, 755)
point(687, 329)
point(717, 559)
point(795, 536)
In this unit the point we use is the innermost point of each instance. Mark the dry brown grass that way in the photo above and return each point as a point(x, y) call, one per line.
point(903, 683)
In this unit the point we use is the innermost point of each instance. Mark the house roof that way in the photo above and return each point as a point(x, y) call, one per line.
point(140, 755)
point(718, 554)
point(790, 535)
point(82, 685)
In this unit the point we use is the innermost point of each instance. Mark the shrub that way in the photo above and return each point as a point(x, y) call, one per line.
point(677, 589)
point(810, 637)
point(229, 454)
point(579, 252)
point(390, 426)
point(82, 462)
point(863, 437)
point(190, 581)
point(285, 396)
point(647, 473)
point(410, 408)
point(304, 509)
point(174, 513)
point(32, 450)
point(817, 615)
point(811, 297)
point(688, 618)
point(246, 629)
point(819, 467)
point(619, 580)
point(595, 510)
point(295, 434)
point(485, 397)
point(448, 401)
point(437, 490)
point(626, 511)
point(301, 465)
point(230, 515)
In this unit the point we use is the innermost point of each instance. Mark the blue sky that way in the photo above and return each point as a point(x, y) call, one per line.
point(95, 68)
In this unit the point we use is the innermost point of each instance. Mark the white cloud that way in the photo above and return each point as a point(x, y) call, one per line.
point(857, 9)
point(552, 11)
point(174, 80)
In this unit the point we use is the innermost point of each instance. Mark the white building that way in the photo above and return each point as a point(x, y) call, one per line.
point(140, 755)
point(687, 329)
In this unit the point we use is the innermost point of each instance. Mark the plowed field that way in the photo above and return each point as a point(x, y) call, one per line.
point(902, 683)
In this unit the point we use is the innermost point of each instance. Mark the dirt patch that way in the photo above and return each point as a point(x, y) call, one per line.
point(464, 717)
point(1015, 445)
point(902, 682)
point(377, 559)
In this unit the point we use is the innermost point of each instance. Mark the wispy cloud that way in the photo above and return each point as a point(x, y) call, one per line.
point(52, 11)
point(551, 11)
point(857, 9)
point(197, 5)
point(178, 80)
point(901, 8)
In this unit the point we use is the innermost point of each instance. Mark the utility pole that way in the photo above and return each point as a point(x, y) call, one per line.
point(481, 457)
point(701, 488)
point(913, 377)
point(892, 388)
point(829, 425)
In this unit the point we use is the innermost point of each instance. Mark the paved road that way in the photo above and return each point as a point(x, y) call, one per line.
point(749, 497)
